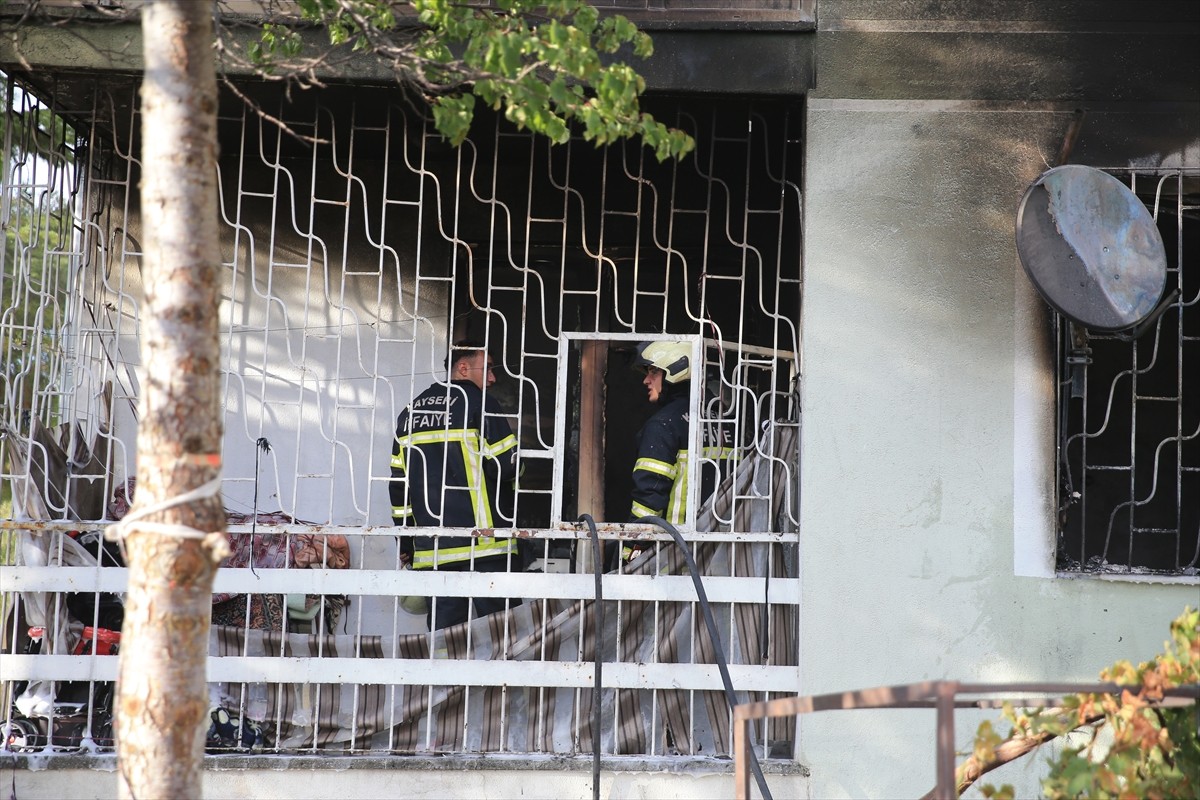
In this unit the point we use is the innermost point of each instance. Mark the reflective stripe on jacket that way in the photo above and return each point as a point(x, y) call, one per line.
point(660, 474)
point(452, 455)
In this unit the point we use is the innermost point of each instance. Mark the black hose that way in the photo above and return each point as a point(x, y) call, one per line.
point(711, 624)
point(597, 570)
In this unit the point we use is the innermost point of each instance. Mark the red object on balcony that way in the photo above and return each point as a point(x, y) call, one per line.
point(101, 641)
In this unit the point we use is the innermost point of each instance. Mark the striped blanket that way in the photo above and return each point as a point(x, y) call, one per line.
point(416, 718)
point(412, 718)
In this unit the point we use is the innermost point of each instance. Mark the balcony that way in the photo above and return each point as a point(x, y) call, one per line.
point(342, 283)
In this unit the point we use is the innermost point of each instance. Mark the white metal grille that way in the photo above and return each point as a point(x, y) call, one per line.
point(350, 264)
point(1129, 419)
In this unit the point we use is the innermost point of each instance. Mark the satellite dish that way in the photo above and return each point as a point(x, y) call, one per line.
point(1092, 249)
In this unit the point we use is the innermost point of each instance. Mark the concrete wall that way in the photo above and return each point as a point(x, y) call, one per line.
point(921, 345)
point(56, 778)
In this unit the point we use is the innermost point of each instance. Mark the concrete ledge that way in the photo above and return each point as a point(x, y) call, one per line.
point(749, 59)
point(259, 777)
point(689, 765)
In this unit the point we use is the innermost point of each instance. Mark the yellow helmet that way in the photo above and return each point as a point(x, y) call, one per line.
point(673, 358)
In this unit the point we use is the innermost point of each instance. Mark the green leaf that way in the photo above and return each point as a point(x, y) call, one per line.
point(1152, 751)
point(586, 18)
point(452, 116)
point(539, 61)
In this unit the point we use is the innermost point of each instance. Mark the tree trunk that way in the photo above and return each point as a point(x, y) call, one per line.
point(162, 697)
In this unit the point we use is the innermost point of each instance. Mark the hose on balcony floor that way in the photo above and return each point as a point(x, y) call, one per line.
point(598, 571)
point(718, 647)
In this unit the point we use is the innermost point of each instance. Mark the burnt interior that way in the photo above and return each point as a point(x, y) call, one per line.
point(1129, 467)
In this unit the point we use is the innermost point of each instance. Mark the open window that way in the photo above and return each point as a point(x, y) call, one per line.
point(736, 393)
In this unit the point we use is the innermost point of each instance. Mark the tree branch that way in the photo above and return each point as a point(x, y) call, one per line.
point(973, 768)
point(254, 106)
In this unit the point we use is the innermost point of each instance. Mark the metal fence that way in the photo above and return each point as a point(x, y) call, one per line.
point(356, 246)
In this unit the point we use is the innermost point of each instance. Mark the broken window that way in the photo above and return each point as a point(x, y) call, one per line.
point(1129, 418)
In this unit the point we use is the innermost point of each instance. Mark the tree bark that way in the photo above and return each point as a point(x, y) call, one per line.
point(973, 769)
point(162, 695)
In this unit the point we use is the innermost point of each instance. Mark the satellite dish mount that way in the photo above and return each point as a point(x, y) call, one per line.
point(1094, 253)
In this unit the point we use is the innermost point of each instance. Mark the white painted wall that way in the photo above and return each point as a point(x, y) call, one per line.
point(915, 352)
point(324, 341)
point(325, 338)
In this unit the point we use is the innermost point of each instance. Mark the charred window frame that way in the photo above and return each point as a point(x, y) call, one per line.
point(737, 391)
point(1128, 417)
point(584, 365)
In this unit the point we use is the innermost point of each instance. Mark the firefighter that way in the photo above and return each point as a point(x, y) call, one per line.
point(453, 450)
point(660, 474)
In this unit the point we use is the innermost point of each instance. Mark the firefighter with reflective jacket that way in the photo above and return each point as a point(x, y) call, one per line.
point(660, 474)
point(452, 453)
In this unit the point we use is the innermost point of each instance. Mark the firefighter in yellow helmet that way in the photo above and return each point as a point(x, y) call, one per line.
point(660, 473)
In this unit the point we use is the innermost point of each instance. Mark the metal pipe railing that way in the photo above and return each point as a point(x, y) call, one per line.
point(940, 695)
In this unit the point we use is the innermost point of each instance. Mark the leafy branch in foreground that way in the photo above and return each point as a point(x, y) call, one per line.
point(547, 64)
point(1132, 746)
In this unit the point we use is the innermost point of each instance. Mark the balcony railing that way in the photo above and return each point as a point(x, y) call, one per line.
point(942, 696)
point(516, 682)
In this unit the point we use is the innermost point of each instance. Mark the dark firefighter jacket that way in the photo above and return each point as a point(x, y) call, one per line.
point(660, 474)
point(449, 461)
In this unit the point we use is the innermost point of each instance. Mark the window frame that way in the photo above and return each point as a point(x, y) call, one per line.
point(1037, 436)
point(565, 342)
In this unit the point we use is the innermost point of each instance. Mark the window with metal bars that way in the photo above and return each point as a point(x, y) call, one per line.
point(357, 246)
point(1129, 416)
